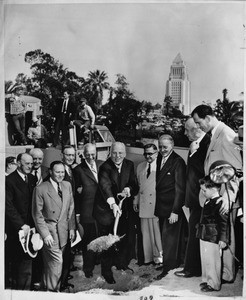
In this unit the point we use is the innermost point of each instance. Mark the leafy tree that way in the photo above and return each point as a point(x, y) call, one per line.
point(123, 111)
point(48, 82)
point(229, 112)
point(94, 86)
point(168, 104)
point(147, 107)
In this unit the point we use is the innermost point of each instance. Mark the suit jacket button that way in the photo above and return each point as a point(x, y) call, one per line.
point(53, 212)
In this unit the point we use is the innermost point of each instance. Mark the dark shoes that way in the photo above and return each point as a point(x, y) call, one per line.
point(207, 288)
point(66, 286)
point(226, 281)
point(88, 274)
point(160, 276)
point(186, 274)
point(109, 278)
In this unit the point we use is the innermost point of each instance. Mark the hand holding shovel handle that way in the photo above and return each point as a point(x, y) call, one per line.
point(121, 197)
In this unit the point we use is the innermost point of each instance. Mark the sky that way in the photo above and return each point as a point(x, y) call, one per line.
point(138, 40)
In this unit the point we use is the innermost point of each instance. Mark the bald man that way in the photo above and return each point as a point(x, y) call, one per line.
point(19, 188)
point(116, 175)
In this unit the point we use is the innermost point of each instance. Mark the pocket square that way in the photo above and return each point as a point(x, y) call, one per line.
point(168, 173)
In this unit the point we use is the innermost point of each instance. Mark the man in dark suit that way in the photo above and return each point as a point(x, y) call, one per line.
point(68, 157)
point(41, 173)
point(19, 188)
point(86, 185)
point(65, 113)
point(53, 214)
point(116, 175)
point(195, 171)
point(170, 195)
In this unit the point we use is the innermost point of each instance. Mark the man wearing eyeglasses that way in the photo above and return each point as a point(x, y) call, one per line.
point(144, 203)
point(170, 196)
point(116, 175)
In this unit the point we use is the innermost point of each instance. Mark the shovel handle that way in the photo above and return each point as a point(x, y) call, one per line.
point(116, 221)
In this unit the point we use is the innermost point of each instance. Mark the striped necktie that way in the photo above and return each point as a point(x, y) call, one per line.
point(59, 190)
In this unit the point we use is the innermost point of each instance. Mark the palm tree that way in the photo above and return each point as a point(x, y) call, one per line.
point(95, 85)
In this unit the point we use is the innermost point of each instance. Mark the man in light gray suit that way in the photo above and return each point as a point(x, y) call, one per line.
point(221, 148)
point(144, 203)
point(53, 214)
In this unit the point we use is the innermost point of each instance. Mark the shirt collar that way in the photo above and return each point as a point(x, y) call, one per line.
point(23, 176)
point(166, 157)
point(54, 183)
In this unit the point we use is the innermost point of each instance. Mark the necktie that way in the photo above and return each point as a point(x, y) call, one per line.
point(69, 172)
point(163, 162)
point(26, 179)
point(94, 171)
point(64, 106)
point(59, 190)
point(118, 168)
point(36, 175)
point(148, 171)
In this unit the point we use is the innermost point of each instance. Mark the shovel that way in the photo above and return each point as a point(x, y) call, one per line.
point(103, 243)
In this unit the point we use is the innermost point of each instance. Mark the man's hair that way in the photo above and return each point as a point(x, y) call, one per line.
point(166, 137)
point(83, 100)
point(88, 145)
point(67, 147)
point(119, 144)
point(56, 162)
point(202, 111)
point(9, 160)
point(209, 183)
point(150, 145)
point(19, 156)
point(36, 150)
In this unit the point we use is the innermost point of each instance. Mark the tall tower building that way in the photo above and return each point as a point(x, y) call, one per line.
point(178, 85)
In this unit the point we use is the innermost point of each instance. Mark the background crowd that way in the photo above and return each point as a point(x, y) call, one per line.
point(66, 197)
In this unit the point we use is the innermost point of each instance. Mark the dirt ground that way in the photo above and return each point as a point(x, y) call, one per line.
point(140, 284)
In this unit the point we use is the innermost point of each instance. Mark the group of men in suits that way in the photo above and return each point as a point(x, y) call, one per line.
point(55, 200)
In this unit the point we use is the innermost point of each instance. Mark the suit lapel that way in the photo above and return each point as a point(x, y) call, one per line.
point(88, 171)
point(214, 138)
point(147, 182)
point(167, 166)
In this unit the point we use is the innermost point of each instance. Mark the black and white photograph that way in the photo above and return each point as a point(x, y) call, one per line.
point(122, 139)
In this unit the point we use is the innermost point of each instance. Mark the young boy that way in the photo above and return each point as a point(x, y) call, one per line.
point(213, 233)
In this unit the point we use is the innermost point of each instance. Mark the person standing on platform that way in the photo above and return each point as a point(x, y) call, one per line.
point(170, 196)
point(195, 171)
point(144, 203)
point(65, 112)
